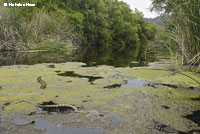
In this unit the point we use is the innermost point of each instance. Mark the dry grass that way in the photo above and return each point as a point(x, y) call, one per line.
point(184, 30)
point(17, 33)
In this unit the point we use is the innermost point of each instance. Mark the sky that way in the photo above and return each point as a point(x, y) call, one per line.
point(142, 6)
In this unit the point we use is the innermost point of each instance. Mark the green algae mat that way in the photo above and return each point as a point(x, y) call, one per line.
point(114, 104)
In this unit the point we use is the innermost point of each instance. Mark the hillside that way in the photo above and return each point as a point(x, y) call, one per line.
point(160, 20)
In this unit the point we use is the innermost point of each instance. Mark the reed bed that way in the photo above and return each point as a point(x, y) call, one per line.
point(19, 33)
point(184, 29)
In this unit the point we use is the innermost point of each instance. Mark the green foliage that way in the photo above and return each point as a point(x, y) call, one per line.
point(56, 51)
point(53, 46)
point(160, 20)
point(85, 22)
point(24, 27)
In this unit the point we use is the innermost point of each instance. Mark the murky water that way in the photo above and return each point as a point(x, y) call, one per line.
point(92, 56)
point(19, 121)
point(195, 117)
point(133, 83)
point(113, 86)
point(91, 79)
point(40, 124)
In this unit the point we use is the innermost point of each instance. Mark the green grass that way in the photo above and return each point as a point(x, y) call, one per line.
point(21, 29)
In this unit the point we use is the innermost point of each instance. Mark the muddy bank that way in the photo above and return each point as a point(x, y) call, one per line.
point(117, 100)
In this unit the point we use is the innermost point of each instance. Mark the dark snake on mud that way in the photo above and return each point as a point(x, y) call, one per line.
point(43, 83)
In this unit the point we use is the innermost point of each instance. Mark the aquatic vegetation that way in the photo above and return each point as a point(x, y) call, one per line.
point(68, 93)
point(149, 73)
point(183, 80)
point(164, 104)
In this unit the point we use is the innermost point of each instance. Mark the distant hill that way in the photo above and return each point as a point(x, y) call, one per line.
point(160, 20)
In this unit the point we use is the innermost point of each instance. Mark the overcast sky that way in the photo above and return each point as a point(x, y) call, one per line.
point(141, 5)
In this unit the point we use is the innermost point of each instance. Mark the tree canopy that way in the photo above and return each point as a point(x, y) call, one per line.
point(93, 22)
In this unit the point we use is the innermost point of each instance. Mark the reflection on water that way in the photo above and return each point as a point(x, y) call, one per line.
point(54, 129)
point(92, 56)
point(30, 58)
point(134, 83)
point(127, 57)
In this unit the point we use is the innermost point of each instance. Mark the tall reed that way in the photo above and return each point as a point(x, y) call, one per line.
point(185, 28)
point(19, 33)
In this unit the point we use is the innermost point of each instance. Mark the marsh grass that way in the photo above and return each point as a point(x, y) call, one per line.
point(184, 30)
point(19, 33)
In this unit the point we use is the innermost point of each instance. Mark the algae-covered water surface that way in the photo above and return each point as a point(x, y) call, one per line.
point(82, 98)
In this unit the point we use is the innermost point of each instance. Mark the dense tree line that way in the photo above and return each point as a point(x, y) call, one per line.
point(89, 22)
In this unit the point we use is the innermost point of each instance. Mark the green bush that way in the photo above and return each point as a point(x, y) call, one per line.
point(83, 22)
point(55, 46)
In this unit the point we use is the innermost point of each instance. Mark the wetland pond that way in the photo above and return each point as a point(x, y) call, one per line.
point(96, 91)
